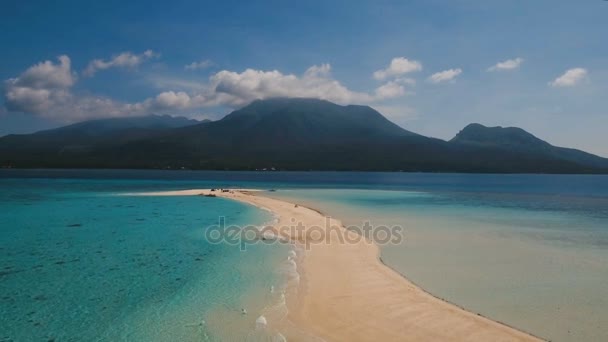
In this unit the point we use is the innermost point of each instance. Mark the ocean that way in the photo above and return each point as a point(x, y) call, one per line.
point(81, 261)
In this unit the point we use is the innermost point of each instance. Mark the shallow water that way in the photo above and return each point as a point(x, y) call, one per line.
point(79, 264)
point(542, 270)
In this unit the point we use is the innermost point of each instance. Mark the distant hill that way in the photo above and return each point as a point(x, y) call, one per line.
point(518, 140)
point(291, 134)
point(104, 126)
point(83, 137)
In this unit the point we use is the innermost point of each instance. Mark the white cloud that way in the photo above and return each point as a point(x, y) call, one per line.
point(509, 64)
point(47, 75)
point(204, 64)
point(172, 100)
point(570, 78)
point(40, 86)
point(46, 90)
point(390, 90)
point(399, 66)
point(445, 76)
point(235, 89)
point(122, 60)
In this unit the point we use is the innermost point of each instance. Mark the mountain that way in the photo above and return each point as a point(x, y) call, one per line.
point(518, 140)
point(88, 135)
point(308, 121)
point(296, 123)
point(81, 138)
point(284, 133)
point(291, 134)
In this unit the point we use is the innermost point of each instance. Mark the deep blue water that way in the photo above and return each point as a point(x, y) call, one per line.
point(587, 194)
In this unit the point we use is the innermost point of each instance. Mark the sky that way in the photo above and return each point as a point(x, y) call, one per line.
point(430, 66)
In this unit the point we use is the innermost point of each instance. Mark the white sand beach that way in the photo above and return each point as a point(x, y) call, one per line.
point(346, 293)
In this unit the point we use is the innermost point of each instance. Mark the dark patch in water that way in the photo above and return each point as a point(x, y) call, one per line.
point(40, 297)
point(74, 225)
point(5, 273)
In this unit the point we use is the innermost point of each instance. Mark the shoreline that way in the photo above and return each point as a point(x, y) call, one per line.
point(351, 294)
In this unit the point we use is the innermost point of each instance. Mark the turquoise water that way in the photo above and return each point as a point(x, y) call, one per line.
point(78, 263)
point(529, 263)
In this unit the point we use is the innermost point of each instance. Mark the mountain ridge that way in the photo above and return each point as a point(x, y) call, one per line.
point(518, 139)
point(302, 134)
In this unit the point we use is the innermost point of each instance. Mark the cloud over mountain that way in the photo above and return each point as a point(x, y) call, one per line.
point(45, 89)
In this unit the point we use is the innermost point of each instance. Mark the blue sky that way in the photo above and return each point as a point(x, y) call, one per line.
point(431, 66)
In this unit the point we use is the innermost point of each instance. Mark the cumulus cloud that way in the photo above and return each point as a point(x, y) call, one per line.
point(40, 86)
point(122, 60)
point(570, 78)
point(509, 64)
point(399, 66)
point(389, 90)
point(235, 89)
point(204, 64)
point(48, 75)
point(46, 90)
point(444, 76)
